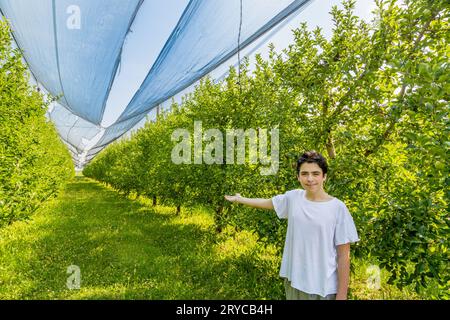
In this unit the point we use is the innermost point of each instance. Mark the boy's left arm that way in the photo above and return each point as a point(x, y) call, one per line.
point(343, 252)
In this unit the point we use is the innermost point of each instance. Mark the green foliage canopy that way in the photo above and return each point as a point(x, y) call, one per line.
point(374, 98)
point(34, 163)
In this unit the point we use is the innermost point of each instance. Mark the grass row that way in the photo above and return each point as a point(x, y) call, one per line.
point(127, 249)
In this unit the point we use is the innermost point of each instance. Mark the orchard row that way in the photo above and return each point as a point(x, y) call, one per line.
point(34, 163)
point(373, 99)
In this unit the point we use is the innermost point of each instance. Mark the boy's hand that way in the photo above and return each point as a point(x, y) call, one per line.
point(234, 198)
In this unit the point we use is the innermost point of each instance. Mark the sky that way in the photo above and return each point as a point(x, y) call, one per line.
point(155, 22)
point(150, 30)
point(152, 27)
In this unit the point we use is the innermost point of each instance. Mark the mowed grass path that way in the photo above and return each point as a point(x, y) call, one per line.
point(127, 249)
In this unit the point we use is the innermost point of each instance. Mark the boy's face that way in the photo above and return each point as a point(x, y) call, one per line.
point(311, 177)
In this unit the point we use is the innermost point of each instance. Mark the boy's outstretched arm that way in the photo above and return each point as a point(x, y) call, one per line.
point(251, 202)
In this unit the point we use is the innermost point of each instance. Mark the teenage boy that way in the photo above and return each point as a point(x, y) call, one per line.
point(316, 256)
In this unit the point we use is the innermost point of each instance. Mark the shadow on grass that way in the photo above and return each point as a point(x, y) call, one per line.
point(125, 250)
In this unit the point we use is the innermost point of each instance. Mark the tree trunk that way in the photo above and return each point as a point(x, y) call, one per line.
point(218, 219)
point(330, 147)
point(329, 137)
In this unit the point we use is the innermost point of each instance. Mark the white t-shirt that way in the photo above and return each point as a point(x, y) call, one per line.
point(314, 230)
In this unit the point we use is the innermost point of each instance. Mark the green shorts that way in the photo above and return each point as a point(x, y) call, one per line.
point(295, 294)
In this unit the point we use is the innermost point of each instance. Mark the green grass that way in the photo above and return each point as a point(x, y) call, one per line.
point(127, 249)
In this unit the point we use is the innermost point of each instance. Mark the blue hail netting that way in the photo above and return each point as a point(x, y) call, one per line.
point(72, 129)
point(77, 60)
point(206, 36)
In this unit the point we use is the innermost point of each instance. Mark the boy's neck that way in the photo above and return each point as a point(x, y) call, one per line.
point(320, 195)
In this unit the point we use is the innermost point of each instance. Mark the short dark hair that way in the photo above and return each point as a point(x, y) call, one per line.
point(312, 157)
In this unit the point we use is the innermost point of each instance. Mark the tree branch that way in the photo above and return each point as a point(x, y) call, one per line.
point(401, 94)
